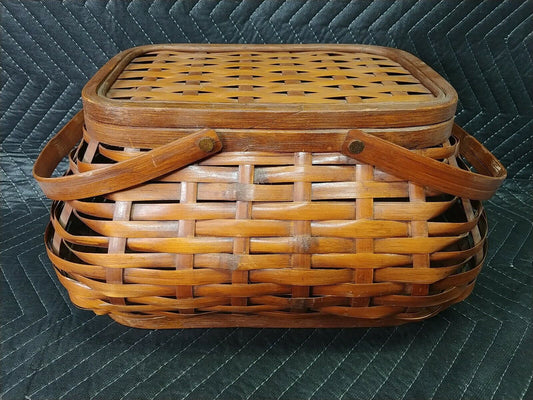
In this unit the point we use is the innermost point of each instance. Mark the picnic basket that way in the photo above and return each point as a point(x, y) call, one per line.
point(267, 186)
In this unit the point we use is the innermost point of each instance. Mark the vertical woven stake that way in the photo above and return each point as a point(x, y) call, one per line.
point(364, 209)
point(117, 245)
point(241, 245)
point(186, 228)
point(419, 229)
point(302, 229)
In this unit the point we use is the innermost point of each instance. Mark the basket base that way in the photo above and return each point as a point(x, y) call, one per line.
point(247, 321)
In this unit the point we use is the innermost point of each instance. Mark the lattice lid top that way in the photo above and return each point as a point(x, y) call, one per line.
point(268, 86)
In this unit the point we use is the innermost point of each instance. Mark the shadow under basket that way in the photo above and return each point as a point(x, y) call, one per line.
point(267, 186)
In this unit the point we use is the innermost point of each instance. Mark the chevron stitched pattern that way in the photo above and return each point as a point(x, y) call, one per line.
point(479, 349)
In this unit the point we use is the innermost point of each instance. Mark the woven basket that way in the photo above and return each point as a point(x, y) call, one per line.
point(267, 186)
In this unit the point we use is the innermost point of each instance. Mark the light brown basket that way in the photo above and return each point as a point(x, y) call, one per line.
point(267, 186)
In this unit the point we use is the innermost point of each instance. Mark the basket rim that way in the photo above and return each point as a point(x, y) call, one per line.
point(268, 115)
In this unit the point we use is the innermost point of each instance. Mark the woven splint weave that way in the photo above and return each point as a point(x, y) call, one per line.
point(281, 186)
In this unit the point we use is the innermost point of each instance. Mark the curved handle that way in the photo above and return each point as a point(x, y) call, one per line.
point(405, 164)
point(148, 165)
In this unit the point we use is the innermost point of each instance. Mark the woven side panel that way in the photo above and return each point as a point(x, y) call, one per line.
point(275, 238)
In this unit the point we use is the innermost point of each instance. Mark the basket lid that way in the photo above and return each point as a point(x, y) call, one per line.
point(268, 86)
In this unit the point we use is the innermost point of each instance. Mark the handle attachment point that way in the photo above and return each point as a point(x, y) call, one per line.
point(206, 144)
point(121, 175)
point(424, 171)
point(356, 146)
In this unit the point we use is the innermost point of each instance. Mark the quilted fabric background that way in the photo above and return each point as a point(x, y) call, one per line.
point(479, 349)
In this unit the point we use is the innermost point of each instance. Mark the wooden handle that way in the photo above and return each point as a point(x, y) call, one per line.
point(148, 165)
point(364, 147)
point(407, 165)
